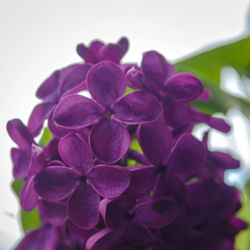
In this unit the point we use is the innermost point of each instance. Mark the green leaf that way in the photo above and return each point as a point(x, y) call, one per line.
point(135, 145)
point(30, 220)
point(16, 186)
point(208, 65)
point(46, 136)
point(243, 239)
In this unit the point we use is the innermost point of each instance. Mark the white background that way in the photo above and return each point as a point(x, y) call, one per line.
point(37, 37)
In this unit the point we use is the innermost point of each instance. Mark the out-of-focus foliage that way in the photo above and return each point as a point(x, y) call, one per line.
point(46, 136)
point(16, 186)
point(208, 65)
point(243, 239)
point(30, 220)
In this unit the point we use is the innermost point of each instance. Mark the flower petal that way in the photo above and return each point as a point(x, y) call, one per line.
point(170, 185)
point(37, 161)
point(202, 192)
point(110, 52)
point(75, 111)
point(117, 211)
point(28, 195)
point(204, 96)
point(105, 238)
point(135, 77)
point(109, 140)
point(156, 141)
point(106, 82)
point(109, 181)
point(222, 160)
point(21, 160)
point(124, 44)
point(154, 67)
point(113, 52)
point(156, 213)
point(73, 75)
point(53, 212)
point(38, 116)
point(156, 71)
point(75, 152)
point(56, 183)
point(137, 108)
point(89, 53)
point(187, 156)
point(138, 235)
point(78, 88)
point(83, 206)
point(48, 89)
point(79, 231)
point(219, 124)
point(176, 114)
point(56, 130)
point(42, 238)
point(142, 180)
point(183, 87)
point(19, 134)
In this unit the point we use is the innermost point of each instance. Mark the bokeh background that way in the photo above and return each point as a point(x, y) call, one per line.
point(37, 37)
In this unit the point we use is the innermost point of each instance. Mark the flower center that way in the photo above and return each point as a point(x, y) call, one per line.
point(83, 178)
point(108, 115)
point(162, 168)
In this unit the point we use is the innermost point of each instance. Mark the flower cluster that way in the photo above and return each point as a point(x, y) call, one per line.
point(93, 189)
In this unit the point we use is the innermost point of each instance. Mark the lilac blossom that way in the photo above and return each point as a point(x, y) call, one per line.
point(108, 111)
point(175, 91)
point(81, 181)
point(98, 51)
point(93, 189)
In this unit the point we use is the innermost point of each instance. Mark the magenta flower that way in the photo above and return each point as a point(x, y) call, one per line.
point(81, 181)
point(108, 111)
point(123, 171)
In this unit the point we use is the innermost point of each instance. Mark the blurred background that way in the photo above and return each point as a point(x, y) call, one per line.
point(38, 37)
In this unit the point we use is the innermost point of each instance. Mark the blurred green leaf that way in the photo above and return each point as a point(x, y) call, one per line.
point(46, 136)
point(243, 239)
point(16, 186)
point(30, 220)
point(135, 145)
point(208, 65)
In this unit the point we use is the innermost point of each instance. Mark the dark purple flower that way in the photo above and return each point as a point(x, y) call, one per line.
point(170, 159)
point(124, 171)
point(129, 222)
point(98, 51)
point(46, 237)
point(20, 134)
point(175, 91)
point(52, 89)
point(109, 138)
point(81, 181)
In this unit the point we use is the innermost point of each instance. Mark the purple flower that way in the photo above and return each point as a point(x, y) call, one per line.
point(171, 159)
point(81, 181)
point(20, 134)
point(52, 89)
point(96, 189)
point(98, 51)
point(109, 138)
point(175, 91)
point(128, 221)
